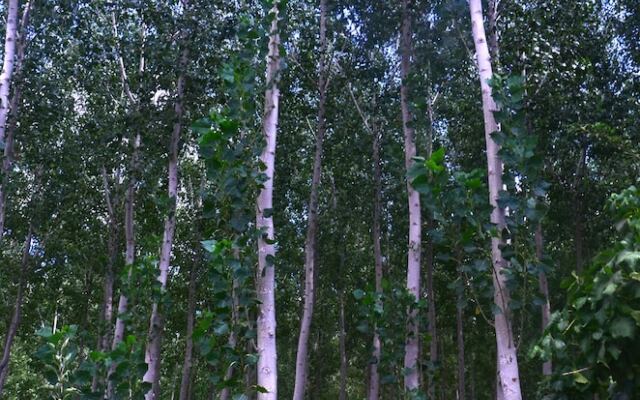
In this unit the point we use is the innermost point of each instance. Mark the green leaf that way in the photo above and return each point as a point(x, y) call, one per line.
point(579, 378)
point(622, 327)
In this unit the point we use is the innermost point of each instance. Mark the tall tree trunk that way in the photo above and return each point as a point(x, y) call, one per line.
point(411, 376)
point(460, 339)
point(431, 313)
point(112, 251)
point(17, 313)
point(185, 383)
point(492, 37)
point(156, 326)
point(374, 375)
point(106, 314)
point(233, 337)
point(130, 253)
point(14, 49)
point(579, 211)
point(431, 293)
point(129, 202)
point(11, 38)
point(343, 351)
point(302, 357)
point(545, 307)
point(507, 358)
point(265, 278)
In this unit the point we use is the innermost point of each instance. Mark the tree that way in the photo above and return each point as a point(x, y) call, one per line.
point(265, 276)
point(507, 358)
point(411, 381)
point(312, 224)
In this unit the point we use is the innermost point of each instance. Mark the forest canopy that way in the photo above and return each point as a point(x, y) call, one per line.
point(238, 200)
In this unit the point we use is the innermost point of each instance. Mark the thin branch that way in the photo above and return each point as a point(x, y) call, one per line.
point(365, 120)
point(107, 194)
point(123, 71)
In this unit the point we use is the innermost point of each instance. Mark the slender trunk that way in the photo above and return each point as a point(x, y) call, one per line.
point(579, 211)
point(185, 383)
point(156, 326)
point(11, 70)
point(265, 278)
point(431, 314)
point(112, 249)
point(343, 351)
point(460, 338)
point(130, 254)
point(312, 228)
point(545, 308)
point(11, 37)
point(374, 375)
point(507, 358)
point(472, 384)
point(492, 37)
point(233, 337)
point(106, 314)
point(411, 376)
point(17, 313)
point(431, 293)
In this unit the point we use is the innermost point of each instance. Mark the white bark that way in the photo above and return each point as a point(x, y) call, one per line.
point(312, 227)
point(265, 280)
point(156, 325)
point(507, 359)
point(12, 68)
point(11, 37)
point(412, 377)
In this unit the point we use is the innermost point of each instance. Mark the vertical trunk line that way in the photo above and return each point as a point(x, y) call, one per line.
point(302, 357)
point(411, 378)
point(185, 382)
point(15, 42)
point(267, 369)
point(343, 351)
point(507, 360)
point(156, 326)
point(460, 340)
point(17, 312)
point(545, 307)
point(374, 378)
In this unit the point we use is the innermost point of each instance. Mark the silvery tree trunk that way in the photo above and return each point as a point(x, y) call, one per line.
point(507, 358)
point(17, 312)
point(267, 370)
point(412, 375)
point(156, 325)
point(14, 48)
point(302, 357)
point(11, 38)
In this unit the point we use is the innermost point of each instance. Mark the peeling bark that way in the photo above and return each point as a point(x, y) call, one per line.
point(267, 370)
point(14, 51)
